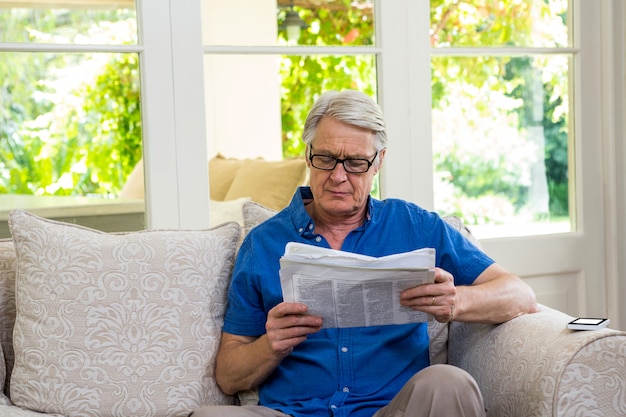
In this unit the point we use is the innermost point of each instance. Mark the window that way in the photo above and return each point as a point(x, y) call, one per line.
point(70, 120)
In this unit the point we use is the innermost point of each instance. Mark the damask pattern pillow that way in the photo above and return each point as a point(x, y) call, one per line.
point(118, 324)
point(255, 214)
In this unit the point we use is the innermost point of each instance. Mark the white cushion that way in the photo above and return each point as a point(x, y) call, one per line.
point(118, 324)
point(226, 211)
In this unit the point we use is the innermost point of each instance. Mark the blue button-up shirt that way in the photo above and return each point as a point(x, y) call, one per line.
point(351, 371)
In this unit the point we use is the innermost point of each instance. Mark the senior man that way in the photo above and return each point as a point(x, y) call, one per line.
point(302, 369)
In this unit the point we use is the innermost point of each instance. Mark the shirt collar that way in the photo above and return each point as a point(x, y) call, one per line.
point(304, 224)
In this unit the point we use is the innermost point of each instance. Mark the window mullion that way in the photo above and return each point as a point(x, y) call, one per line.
point(191, 142)
point(158, 115)
point(405, 96)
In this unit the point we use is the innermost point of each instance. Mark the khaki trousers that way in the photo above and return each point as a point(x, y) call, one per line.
point(436, 391)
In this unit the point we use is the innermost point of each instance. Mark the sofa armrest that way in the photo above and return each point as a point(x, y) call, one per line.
point(534, 366)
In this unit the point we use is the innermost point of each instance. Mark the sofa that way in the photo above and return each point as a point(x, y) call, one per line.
point(128, 324)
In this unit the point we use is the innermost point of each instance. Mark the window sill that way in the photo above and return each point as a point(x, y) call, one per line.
point(108, 215)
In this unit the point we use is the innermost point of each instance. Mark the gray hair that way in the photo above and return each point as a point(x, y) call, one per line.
point(352, 107)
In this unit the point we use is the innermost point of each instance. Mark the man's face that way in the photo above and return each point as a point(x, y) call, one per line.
point(337, 192)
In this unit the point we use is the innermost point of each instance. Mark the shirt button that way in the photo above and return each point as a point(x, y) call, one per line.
point(333, 406)
point(300, 230)
point(344, 349)
point(318, 239)
point(346, 389)
point(310, 227)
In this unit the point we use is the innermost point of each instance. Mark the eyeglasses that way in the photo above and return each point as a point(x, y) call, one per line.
point(351, 165)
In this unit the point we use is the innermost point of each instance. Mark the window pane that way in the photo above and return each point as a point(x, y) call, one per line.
point(73, 127)
point(485, 23)
point(501, 142)
point(93, 23)
point(271, 22)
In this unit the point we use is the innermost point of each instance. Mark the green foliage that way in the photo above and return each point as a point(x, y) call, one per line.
point(61, 136)
point(475, 23)
point(552, 122)
point(112, 119)
point(485, 23)
point(22, 94)
point(304, 78)
point(18, 162)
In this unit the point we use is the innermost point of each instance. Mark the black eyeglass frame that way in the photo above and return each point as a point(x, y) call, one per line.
point(342, 161)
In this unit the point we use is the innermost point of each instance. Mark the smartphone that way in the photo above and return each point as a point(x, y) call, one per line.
point(587, 323)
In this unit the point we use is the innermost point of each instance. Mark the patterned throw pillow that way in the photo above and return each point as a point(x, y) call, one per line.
point(118, 324)
point(255, 214)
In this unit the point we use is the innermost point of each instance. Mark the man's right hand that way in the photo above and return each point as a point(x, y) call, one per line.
point(243, 362)
point(288, 325)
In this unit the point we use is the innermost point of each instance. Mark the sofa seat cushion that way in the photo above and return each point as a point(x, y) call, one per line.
point(118, 324)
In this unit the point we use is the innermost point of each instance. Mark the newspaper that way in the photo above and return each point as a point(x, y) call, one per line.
point(351, 290)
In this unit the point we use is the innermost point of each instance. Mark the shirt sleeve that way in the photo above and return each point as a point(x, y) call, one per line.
point(245, 315)
point(456, 254)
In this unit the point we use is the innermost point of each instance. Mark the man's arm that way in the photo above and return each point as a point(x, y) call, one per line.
point(495, 296)
point(244, 362)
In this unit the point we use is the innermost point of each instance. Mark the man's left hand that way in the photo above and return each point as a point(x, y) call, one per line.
point(438, 299)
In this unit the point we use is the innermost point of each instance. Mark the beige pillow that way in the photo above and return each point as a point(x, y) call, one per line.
point(271, 183)
point(118, 324)
point(222, 172)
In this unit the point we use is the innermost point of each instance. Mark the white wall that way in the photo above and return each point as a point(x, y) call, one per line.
point(242, 107)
